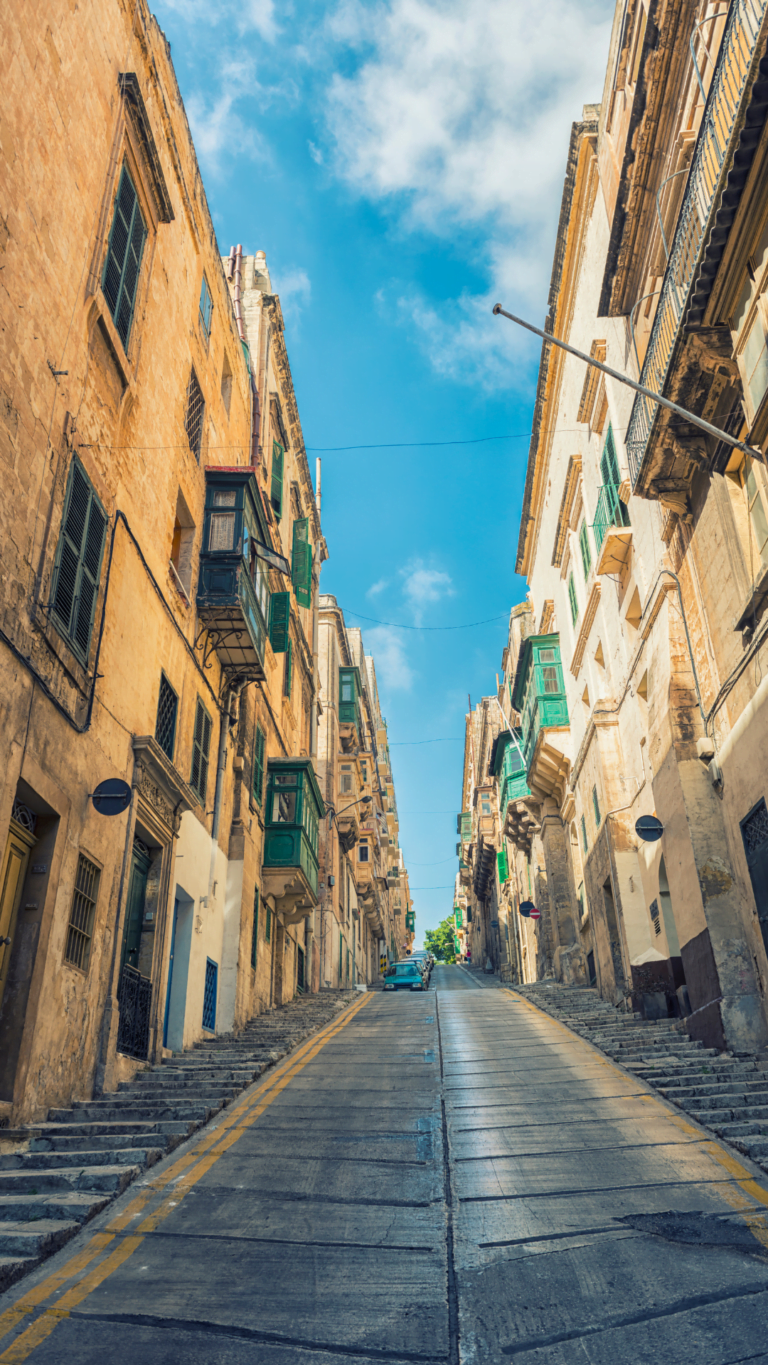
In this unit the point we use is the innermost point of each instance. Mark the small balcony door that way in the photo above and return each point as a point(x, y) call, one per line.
point(12, 872)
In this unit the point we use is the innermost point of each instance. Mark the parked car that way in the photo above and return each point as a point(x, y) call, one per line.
point(422, 962)
point(405, 976)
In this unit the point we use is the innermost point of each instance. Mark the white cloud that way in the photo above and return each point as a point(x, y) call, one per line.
point(216, 124)
point(458, 118)
point(393, 672)
point(377, 587)
point(295, 288)
point(422, 586)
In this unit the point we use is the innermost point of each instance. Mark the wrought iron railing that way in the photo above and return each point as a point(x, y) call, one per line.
point(610, 511)
point(134, 996)
point(718, 128)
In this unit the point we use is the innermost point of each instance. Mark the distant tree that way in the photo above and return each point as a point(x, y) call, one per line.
point(440, 941)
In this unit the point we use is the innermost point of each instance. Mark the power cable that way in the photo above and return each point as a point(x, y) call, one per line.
point(447, 739)
point(395, 625)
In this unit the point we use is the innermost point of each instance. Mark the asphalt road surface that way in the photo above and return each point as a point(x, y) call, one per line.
point(448, 1177)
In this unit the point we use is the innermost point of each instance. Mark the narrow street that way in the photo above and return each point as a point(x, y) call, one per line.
point(574, 1215)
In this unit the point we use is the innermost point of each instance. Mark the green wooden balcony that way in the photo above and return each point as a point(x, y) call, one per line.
point(610, 511)
point(294, 808)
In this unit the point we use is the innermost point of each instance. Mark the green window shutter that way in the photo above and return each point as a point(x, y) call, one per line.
point(572, 599)
point(279, 621)
point(255, 931)
point(583, 835)
point(586, 553)
point(126, 246)
point(288, 675)
point(609, 463)
point(78, 561)
point(268, 926)
point(301, 562)
point(503, 865)
point(258, 766)
point(276, 492)
point(201, 750)
point(596, 806)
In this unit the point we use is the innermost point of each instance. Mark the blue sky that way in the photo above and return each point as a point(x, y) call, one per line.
point(401, 164)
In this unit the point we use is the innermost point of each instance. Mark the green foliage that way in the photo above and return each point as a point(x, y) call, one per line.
point(440, 941)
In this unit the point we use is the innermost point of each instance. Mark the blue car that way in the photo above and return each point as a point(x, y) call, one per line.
point(404, 976)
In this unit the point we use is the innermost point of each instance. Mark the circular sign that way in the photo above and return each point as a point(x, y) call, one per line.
point(112, 797)
point(529, 910)
point(649, 829)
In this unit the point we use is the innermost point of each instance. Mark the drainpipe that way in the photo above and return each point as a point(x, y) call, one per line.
point(228, 713)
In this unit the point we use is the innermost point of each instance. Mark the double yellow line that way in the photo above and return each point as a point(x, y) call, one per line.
point(745, 1188)
point(168, 1190)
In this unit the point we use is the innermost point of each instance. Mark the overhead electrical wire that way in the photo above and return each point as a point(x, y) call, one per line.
point(445, 739)
point(396, 625)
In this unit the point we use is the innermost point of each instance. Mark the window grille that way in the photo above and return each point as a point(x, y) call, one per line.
point(126, 247)
point(78, 562)
point(167, 709)
point(209, 996)
point(193, 422)
point(655, 916)
point(201, 748)
point(754, 829)
point(81, 915)
point(255, 930)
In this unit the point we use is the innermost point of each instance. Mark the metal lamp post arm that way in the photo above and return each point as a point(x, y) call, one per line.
point(632, 384)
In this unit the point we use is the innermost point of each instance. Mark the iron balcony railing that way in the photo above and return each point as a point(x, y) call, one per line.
point(718, 129)
point(610, 511)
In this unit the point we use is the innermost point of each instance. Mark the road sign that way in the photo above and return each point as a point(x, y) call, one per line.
point(111, 797)
point(528, 910)
point(649, 829)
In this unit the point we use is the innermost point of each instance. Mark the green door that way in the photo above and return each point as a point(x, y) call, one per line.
point(137, 893)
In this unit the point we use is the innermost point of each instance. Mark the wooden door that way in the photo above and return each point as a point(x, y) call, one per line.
point(12, 872)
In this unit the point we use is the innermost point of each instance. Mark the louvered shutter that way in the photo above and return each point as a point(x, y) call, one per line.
point(301, 562)
point(258, 766)
point(573, 599)
point(78, 561)
point(586, 554)
point(279, 621)
point(609, 464)
point(123, 263)
point(503, 865)
point(201, 748)
point(276, 494)
point(288, 669)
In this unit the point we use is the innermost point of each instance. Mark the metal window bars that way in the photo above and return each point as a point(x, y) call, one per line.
point(193, 422)
point(167, 708)
point(718, 129)
point(79, 934)
point(134, 997)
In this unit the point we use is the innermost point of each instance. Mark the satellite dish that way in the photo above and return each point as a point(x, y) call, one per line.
point(649, 829)
point(112, 797)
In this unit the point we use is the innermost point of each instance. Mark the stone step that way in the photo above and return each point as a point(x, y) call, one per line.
point(186, 1110)
point(13, 1267)
point(53, 1160)
point(38, 1238)
point(739, 1128)
point(106, 1179)
point(718, 1094)
point(111, 1131)
point(75, 1205)
point(174, 1080)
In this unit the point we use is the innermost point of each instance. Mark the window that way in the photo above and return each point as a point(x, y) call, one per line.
point(550, 678)
point(209, 995)
point(276, 490)
point(755, 362)
point(756, 504)
point(201, 748)
point(586, 553)
point(182, 545)
point(226, 383)
point(165, 725)
point(609, 463)
point(301, 563)
point(279, 621)
point(572, 599)
point(288, 670)
point(78, 562)
point(364, 768)
point(255, 928)
point(596, 807)
point(259, 745)
point(206, 308)
point(193, 421)
point(346, 781)
point(363, 852)
point(80, 932)
point(584, 835)
point(347, 690)
point(126, 247)
point(268, 926)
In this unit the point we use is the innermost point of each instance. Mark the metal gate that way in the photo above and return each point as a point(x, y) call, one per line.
point(134, 996)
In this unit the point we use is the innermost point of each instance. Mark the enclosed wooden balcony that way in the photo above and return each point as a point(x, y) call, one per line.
point(233, 585)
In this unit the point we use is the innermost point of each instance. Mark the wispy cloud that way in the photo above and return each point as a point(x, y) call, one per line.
point(377, 587)
point(393, 672)
point(217, 124)
point(295, 288)
point(423, 586)
point(457, 117)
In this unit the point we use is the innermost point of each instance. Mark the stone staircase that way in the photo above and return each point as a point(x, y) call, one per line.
point(56, 1175)
point(725, 1093)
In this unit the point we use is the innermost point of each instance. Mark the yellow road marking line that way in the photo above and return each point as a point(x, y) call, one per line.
point(743, 1179)
point(214, 1144)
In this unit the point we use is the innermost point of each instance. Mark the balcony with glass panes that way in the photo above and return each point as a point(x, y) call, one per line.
point(350, 690)
point(539, 696)
point(293, 811)
point(233, 583)
point(508, 767)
